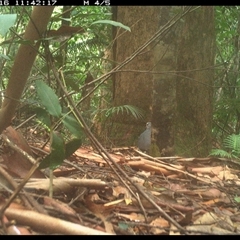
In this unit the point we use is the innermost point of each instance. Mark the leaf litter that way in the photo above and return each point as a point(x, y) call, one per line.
point(164, 196)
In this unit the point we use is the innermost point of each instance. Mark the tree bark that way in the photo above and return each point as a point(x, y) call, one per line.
point(133, 85)
point(194, 92)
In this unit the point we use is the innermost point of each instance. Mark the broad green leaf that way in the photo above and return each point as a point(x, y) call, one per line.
point(57, 155)
point(6, 21)
point(72, 125)
point(237, 199)
point(43, 116)
point(48, 98)
point(72, 146)
point(114, 23)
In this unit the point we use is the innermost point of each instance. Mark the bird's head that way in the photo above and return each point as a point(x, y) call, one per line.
point(148, 125)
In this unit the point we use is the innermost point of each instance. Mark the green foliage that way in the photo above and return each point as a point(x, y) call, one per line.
point(57, 155)
point(237, 199)
point(114, 23)
point(72, 146)
point(72, 125)
point(136, 112)
point(129, 109)
point(79, 54)
point(48, 99)
point(6, 21)
point(227, 96)
point(43, 117)
point(232, 146)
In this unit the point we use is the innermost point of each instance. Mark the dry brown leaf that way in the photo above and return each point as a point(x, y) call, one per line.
point(119, 190)
point(225, 222)
point(210, 193)
point(227, 175)
point(138, 180)
point(208, 230)
point(211, 202)
point(160, 222)
point(144, 174)
point(207, 219)
point(15, 162)
point(122, 190)
point(174, 230)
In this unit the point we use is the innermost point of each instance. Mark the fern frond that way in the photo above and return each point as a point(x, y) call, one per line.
point(232, 142)
point(129, 109)
point(220, 153)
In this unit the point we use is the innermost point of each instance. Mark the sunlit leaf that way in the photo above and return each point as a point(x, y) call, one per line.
point(6, 21)
point(237, 199)
point(114, 23)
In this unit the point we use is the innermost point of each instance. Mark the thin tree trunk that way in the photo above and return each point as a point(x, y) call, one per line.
point(23, 63)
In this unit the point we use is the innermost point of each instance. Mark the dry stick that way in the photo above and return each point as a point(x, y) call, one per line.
point(49, 224)
point(12, 184)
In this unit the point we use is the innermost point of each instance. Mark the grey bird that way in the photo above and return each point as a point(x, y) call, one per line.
point(144, 140)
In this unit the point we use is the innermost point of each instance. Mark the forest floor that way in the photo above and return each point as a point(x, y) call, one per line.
point(130, 194)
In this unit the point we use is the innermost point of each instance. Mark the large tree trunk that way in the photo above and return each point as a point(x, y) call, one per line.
point(134, 85)
point(164, 84)
point(194, 84)
point(179, 104)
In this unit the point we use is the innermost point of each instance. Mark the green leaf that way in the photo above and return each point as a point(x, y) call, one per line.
point(5, 57)
point(114, 23)
point(6, 21)
point(57, 155)
point(73, 125)
point(123, 225)
point(72, 146)
point(43, 116)
point(237, 199)
point(48, 98)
